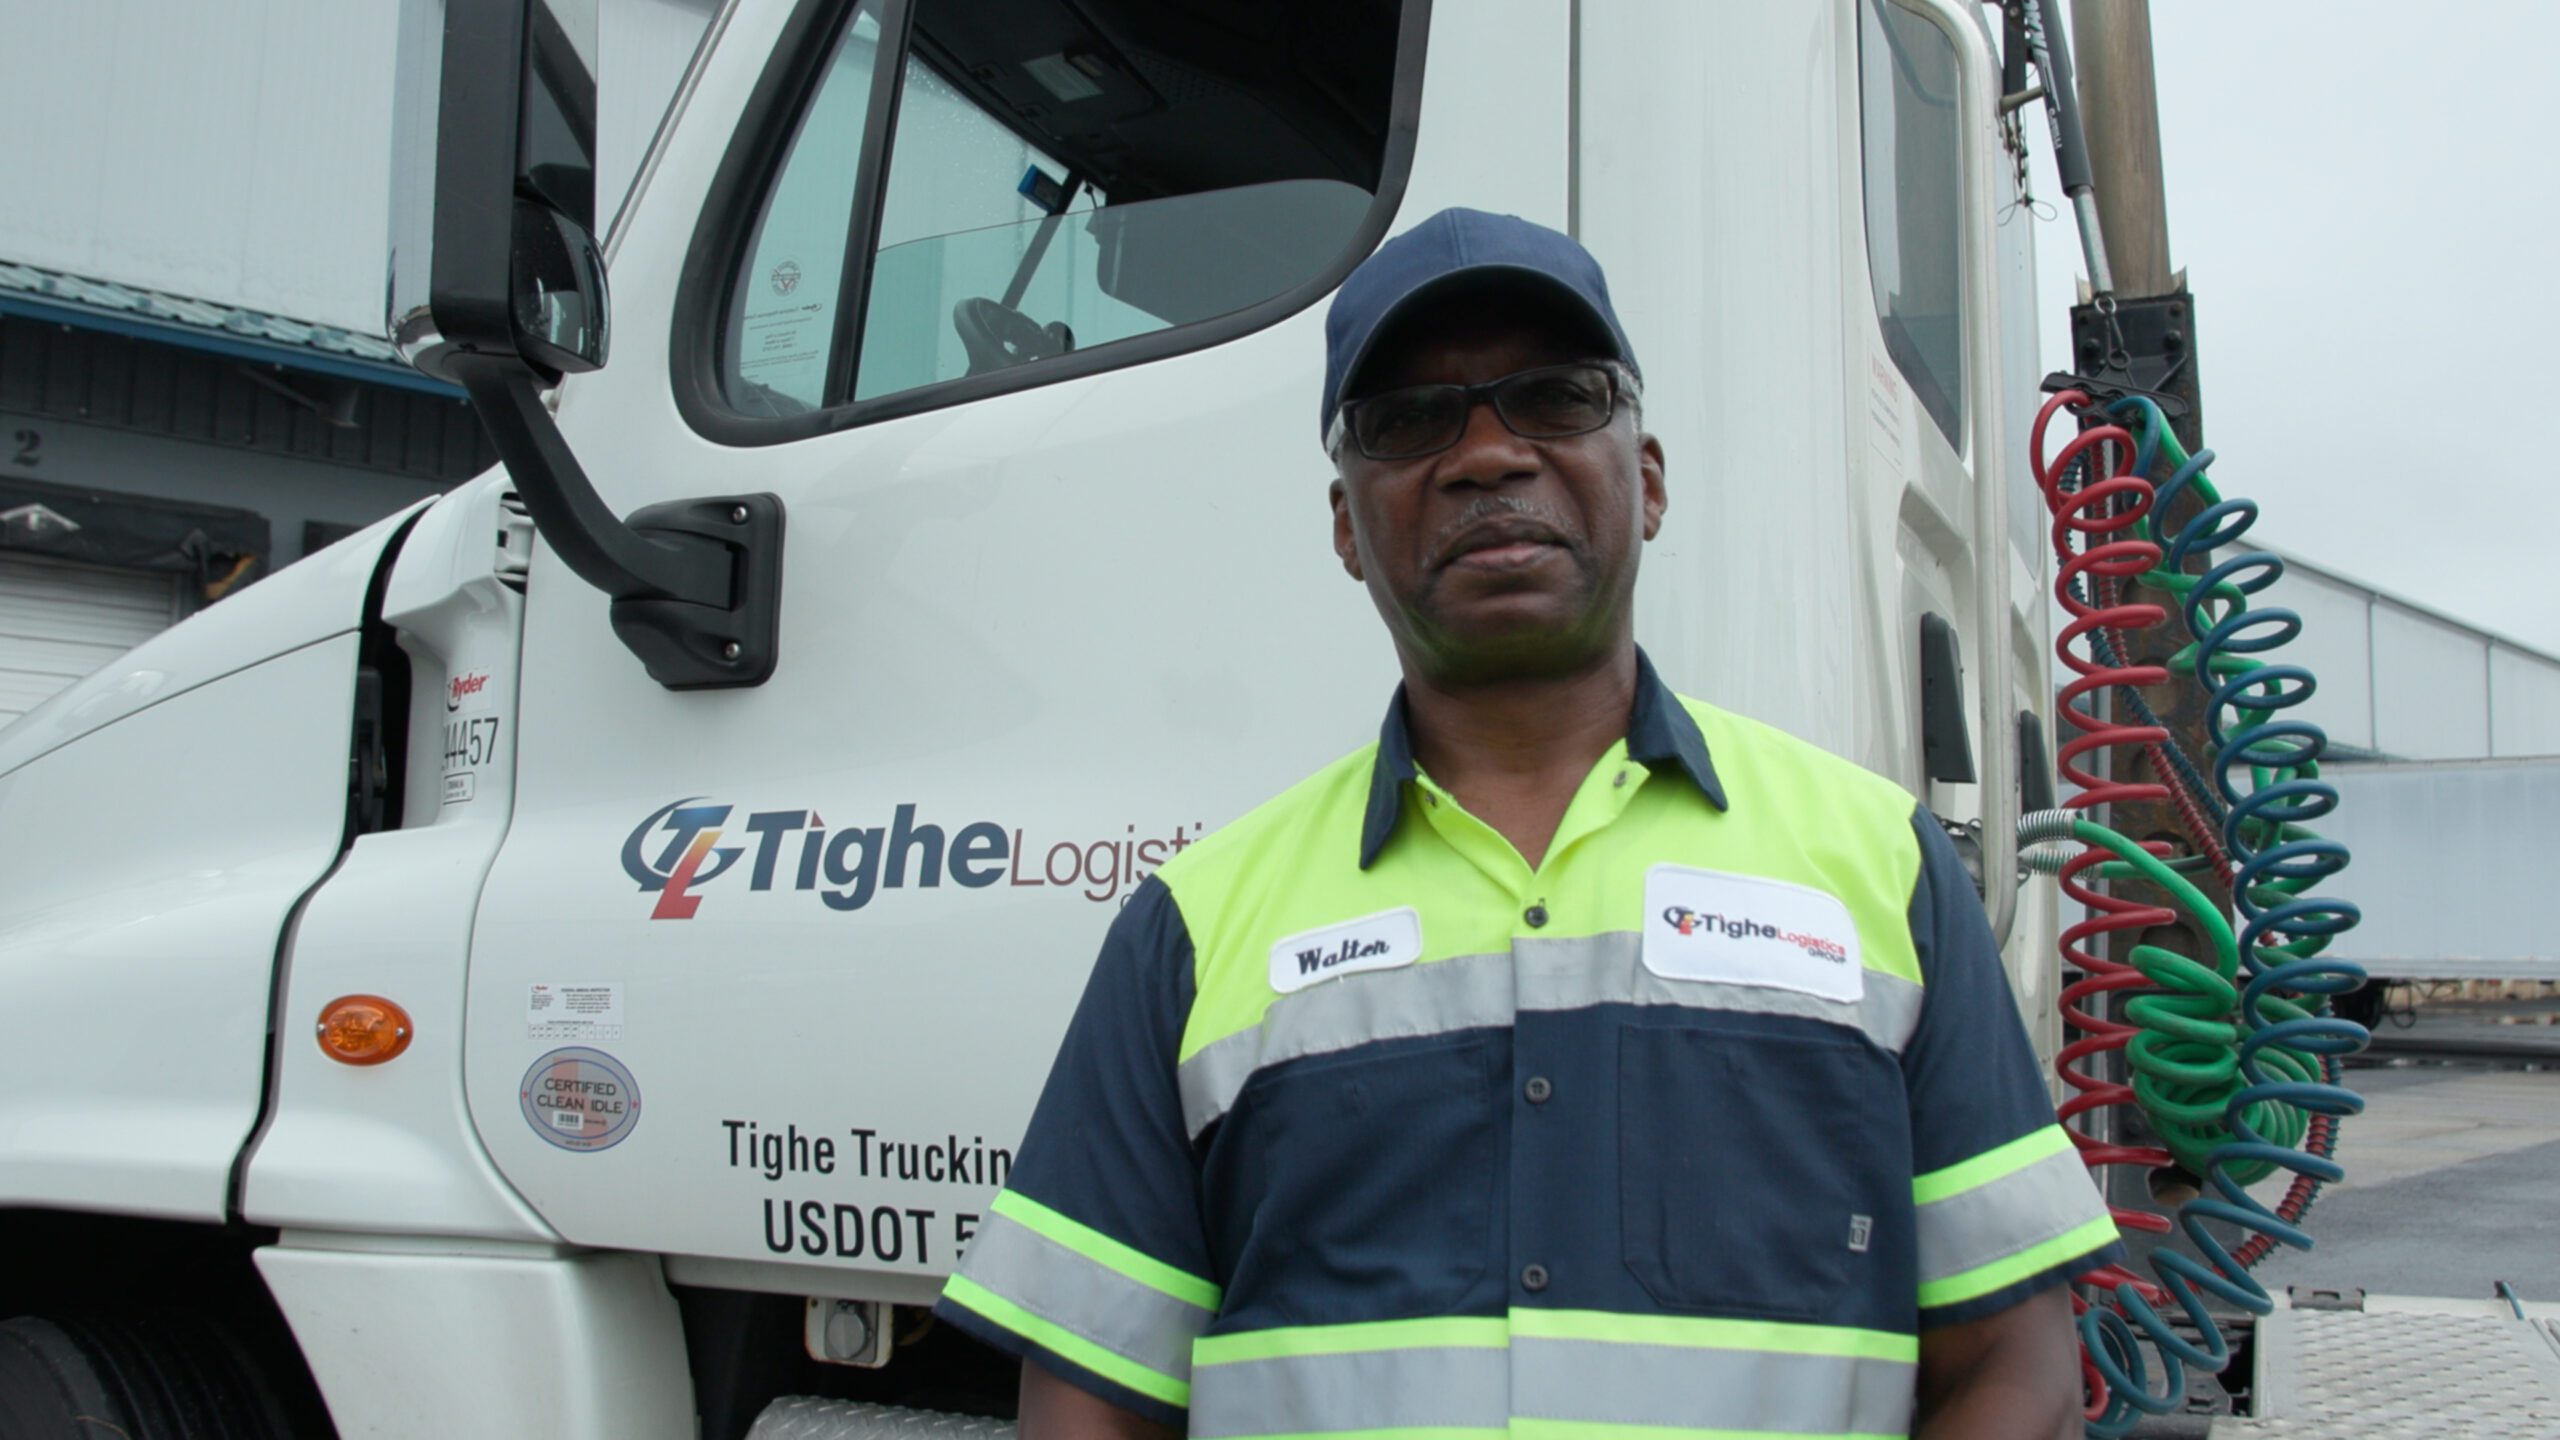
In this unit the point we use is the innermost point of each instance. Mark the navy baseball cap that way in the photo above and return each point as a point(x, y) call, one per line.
point(1462, 248)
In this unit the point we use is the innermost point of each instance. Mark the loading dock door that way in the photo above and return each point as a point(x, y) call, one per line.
point(59, 621)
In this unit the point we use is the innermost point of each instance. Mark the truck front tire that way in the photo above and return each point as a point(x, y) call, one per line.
point(148, 1376)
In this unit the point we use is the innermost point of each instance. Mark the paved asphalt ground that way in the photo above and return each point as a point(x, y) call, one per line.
point(2453, 1171)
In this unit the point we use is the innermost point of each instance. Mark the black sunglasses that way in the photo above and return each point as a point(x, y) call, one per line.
point(1551, 402)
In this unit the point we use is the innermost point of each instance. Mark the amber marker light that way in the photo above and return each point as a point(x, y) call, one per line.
point(363, 1029)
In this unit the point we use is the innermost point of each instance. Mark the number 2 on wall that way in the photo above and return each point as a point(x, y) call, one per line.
point(29, 442)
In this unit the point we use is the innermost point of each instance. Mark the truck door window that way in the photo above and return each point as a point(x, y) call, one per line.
point(969, 204)
point(1066, 184)
point(1914, 164)
point(775, 348)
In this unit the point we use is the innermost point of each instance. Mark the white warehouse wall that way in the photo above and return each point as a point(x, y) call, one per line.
point(2524, 702)
point(239, 152)
point(2334, 646)
point(644, 47)
point(2432, 699)
point(233, 153)
point(2413, 683)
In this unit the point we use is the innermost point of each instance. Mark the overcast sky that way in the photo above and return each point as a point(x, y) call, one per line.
point(2365, 207)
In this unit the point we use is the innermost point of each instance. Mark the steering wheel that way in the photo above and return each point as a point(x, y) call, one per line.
point(998, 337)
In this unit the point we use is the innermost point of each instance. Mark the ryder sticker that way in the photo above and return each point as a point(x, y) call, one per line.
point(1743, 930)
point(1377, 942)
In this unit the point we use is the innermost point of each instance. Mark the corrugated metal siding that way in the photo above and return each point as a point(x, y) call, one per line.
point(240, 152)
point(100, 379)
point(59, 622)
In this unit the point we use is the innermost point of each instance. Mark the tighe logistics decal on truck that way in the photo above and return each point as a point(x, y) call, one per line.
point(676, 852)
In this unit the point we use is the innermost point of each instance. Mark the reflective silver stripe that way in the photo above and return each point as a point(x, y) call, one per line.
point(1361, 1390)
point(1590, 1382)
point(1603, 1382)
point(1474, 991)
point(1465, 993)
point(1094, 1301)
point(1609, 969)
point(1993, 1221)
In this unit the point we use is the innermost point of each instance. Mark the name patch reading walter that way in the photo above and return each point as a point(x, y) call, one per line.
point(1742, 930)
point(1376, 942)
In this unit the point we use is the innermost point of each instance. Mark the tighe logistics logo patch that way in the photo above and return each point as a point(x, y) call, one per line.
point(1708, 925)
point(1742, 927)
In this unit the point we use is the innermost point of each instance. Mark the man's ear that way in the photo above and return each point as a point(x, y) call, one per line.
point(1346, 546)
point(1656, 498)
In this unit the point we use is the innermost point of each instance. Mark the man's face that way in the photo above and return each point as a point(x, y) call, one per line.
point(1501, 557)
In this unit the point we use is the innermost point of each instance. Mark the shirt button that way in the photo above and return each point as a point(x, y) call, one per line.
point(1536, 915)
point(1621, 780)
point(1533, 1277)
point(1538, 1089)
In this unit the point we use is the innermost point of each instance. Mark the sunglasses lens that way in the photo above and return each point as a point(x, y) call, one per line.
point(1404, 423)
point(1564, 400)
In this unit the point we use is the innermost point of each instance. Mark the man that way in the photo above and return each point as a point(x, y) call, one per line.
point(1575, 1057)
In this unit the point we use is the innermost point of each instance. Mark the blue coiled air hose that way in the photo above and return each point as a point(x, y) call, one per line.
point(2266, 790)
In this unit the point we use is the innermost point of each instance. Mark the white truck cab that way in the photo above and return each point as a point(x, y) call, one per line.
point(959, 381)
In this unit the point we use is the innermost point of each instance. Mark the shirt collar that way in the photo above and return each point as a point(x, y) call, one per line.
point(1660, 731)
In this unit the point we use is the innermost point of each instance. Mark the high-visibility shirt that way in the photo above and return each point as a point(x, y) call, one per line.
point(1366, 1124)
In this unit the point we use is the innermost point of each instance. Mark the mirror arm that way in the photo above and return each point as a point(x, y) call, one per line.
point(696, 583)
point(596, 543)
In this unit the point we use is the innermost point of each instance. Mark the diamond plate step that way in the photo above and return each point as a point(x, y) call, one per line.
point(803, 1417)
point(2405, 1369)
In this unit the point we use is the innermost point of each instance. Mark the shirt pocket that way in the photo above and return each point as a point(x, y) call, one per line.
point(1372, 1180)
point(1743, 1187)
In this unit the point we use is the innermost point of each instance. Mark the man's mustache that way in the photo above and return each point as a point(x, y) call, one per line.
point(1486, 507)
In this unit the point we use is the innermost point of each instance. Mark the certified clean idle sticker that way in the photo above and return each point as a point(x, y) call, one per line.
point(1744, 930)
point(580, 1099)
point(1376, 942)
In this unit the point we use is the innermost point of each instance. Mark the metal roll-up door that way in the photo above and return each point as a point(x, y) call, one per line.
point(60, 621)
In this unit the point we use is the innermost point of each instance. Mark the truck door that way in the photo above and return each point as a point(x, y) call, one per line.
point(1808, 220)
point(1947, 275)
point(1009, 302)
point(1947, 280)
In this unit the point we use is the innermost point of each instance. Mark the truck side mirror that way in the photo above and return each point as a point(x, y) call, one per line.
point(496, 109)
point(498, 285)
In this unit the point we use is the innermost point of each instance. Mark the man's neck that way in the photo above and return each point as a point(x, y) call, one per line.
point(1515, 751)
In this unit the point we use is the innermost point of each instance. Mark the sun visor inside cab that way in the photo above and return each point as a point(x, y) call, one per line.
point(1189, 258)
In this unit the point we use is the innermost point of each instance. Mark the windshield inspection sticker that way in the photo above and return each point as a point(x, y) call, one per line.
point(1377, 942)
point(1742, 930)
point(580, 1099)
point(557, 1011)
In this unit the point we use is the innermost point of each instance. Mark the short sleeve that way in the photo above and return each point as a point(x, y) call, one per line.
point(1093, 1262)
point(2006, 1209)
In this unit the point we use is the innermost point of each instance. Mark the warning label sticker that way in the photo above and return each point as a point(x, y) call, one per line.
point(574, 1011)
point(580, 1099)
